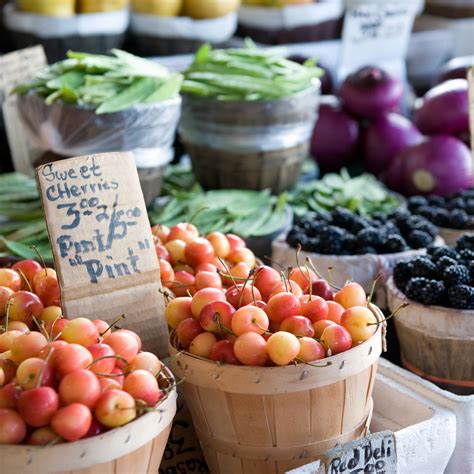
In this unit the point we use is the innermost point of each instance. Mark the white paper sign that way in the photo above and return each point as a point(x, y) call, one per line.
point(376, 34)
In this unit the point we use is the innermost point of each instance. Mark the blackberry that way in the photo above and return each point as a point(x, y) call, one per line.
point(456, 203)
point(369, 237)
point(420, 223)
point(394, 243)
point(296, 237)
point(358, 224)
point(331, 241)
point(437, 201)
point(457, 219)
point(466, 255)
point(402, 273)
point(399, 213)
point(343, 217)
point(425, 291)
point(443, 263)
point(389, 228)
point(461, 297)
point(456, 275)
point(466, 241)
point(379, 216)
point(415, 202)
point(470, 266)
point(443, 251)
point(435, 215)
point(470, 206)
point(418, 239)
point(366, 249)
point(310, 245)
point(349, 243)
point(314, 229)
point(423, 267)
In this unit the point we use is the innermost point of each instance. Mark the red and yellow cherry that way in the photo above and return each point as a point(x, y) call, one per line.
point(9, 395)
point(49, 351)
point(10, 278)
point(237, 274)
point(320, 326)
point(187, 331)
point(203, 297)
point(350, 295)
point(251, 349)
point(80, 331)
point(142, 385)
point(266, 279)
point(106, 355)
point(335, 311)
point(47, 288)
point(283, 347)
point(206, 267)
point(249, 319)
point(166, 273)
point(204, 279)
point(176, 251)
point(12, 427)
point(72, 422)
point(38, 405)
point(146, 361)
point(223, 351)
point(28, 372)
point(336, 339)
point(216, 315)
point(54, 328)
point(198, 251)
point(95, 429)
point(235, 242)
point(18, 326)
point(109, 383)
point(5, 294)
point(81, 386)
point(9, 369)
point(360, 322)
point(29, 268)
point(244, 255)
point(7, 338)
point(71, 357)
point(161, 231)
point(282, 306)
point(303, 277)
point(310, 350)
point(242, 295)
point(124, 344)
point(290, 286)
point(103, 327)
point(323, 289)
point(42, 437)
point(26, 346)
point(220, 243)
point(50, 314)
point(23, 305)
point(184, 284)
point(162, 251)
point(183, 231)
point(202, 344)
point(314, 307)
point(115, 408)
point(177, 310)
point(298, 325)
point(184, 267)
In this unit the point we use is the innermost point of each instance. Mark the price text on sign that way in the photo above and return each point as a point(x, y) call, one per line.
point(375, 453)
point(99, 216)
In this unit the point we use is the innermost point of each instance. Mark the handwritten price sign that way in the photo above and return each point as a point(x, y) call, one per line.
point(102, 243)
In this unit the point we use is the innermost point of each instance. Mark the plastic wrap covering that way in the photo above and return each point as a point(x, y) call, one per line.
point(246, 126)
point(68, 130)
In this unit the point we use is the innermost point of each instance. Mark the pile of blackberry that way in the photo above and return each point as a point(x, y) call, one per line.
point(444, 277)
point(342, 232)
point(456, 212)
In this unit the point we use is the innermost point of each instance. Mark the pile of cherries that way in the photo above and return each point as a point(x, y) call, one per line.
point(242, 314)
point(63, 380)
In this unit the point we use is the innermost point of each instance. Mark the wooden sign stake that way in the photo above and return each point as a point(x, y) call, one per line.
point(102, 244)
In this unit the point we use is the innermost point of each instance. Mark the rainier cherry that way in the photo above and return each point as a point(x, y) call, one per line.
point(242, 295)
point(187, 331)
point(239, 272)
point(266, 279)
point(23, 305)
point(9, 369)
point(10, 278)
point(360, 322)
point(178, 310)
point(29, 370)
point(72, 422)
point(161, 231)
point(146, 361)
point(199, 251)
point(283, 305)
point(42, 437)
point(303, 277)
point(166, 272)
point(50, 314)
point(29, 268)
point(5, 294)
point(12, 427)
point(80, 331)
point(47, 288)
point(293, 287)
point(283, 347)
point(176, 251)
point(26, 346)
point(7, 338)
point(142, 385)
point(235, 242)
point(223, 351)
point(242, 255)
point(314, 307)
point(124, 344)
point(323, 289)
point(251, 349)
point(203, 297)
point(310, 350)
point(205, 279)
point(183, 231)
point(70, 358)
point(320, 326)
point(335, 311)
point(249, 319)
point(202, 344)
point(298, 325)
point(184, 284)
point(80, 386)
point(350, 295)
point(106, 354)
point(115, 408)
point(220, 244)
point(216, 315)
point(38, 405)
point(336, 339)
point(9, 395)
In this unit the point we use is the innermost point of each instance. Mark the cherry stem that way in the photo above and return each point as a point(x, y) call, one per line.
point(43, 367)
point(222, 261)
point(25, 279)
point(298, 251)
point(283, 277)
point(166, 294)
point(52, 328)
point(310, 284)
point(221, 328)
point(35, 248)
point(265, 331)
point(403, 305)
point(42, 329)
point(243, 288)
point(112, 324)
point(115, 356)
point(311, 264)
point(372, 289)
point(7, 314)
point(327, 364)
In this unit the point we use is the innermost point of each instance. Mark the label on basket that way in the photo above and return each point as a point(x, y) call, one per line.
point(20, 66)
point(376, 453)
point(376, 34)
point(101, 239)
point(470, 80)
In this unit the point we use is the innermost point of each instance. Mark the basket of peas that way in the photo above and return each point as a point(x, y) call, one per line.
point(91, 104)
point(247, 117)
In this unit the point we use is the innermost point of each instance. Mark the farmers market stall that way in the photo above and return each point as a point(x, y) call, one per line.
point(214, 262)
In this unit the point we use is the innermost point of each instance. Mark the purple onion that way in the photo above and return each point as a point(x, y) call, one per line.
point(456, 68)
point(370, 92)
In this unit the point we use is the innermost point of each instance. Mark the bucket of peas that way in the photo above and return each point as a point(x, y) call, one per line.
point(247, 117)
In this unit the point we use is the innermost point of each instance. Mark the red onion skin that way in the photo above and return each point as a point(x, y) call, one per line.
point(456, 68)
point(371, 93)
point(441, 165)
point(335, 137)
point(445, 109)
point(385, 138)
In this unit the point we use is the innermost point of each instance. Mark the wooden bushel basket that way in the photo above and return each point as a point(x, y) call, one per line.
point(273, 419)
point(436, 343)
point(134, 448)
